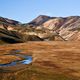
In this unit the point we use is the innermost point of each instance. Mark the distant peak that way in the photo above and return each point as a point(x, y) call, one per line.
point(43, 16)
point(8, 21)
point(40, 19)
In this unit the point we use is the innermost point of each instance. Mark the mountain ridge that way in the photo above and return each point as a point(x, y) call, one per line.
point(42, 28)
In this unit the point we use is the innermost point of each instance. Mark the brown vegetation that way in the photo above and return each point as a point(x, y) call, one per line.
point(60, 57)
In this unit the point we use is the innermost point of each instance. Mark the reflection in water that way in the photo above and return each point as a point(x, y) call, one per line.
point(27, 60)
point(8, 64)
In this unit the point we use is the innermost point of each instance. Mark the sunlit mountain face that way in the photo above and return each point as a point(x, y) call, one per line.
point(42, 28)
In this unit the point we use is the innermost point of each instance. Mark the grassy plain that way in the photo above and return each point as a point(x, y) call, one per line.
point(52, 60)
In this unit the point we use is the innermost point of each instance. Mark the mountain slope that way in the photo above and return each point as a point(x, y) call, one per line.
point(8, 21)
point(45, 28)
point(67, 27)
point(39, 20)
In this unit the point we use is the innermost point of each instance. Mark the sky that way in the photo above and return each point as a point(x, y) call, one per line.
point(26, 10)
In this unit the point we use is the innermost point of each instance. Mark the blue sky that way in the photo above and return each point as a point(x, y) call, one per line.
point(26, 10)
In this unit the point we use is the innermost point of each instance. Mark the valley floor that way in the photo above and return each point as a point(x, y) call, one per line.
point(52, 60)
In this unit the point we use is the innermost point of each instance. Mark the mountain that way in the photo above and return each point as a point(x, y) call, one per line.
point(8, 21)
point(9, 32)
point(39, 20)
point(67, 27)
point(42, 28)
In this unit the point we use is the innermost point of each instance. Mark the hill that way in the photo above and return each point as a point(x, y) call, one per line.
point(45, 28)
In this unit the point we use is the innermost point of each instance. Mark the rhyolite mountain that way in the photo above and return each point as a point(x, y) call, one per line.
point(41, 28)
point(40, 20)
point(9, 21)
point(67, 27)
